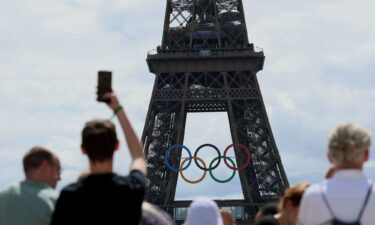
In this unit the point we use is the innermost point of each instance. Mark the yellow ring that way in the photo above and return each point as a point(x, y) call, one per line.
point(193, 181)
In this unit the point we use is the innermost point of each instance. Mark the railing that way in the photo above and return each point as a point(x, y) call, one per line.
point(205, 52)
point(238, 213)
point(242, 212)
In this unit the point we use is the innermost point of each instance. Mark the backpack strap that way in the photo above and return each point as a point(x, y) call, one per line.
point(363, 206)
point(326, 202)
point(366, 201)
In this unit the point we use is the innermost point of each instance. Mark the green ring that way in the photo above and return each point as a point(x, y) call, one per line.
point(213, 177)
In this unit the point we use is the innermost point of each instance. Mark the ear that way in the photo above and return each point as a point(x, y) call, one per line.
point(330, 158)
point(83, 150)
point(117, 145)
point(44, 167)
point(366, 155)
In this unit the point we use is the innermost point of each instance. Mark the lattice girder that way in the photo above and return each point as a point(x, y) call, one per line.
point(160, 132)
point(208, 24)
point(253, 130)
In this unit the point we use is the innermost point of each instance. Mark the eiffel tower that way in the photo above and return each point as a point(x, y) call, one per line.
point(206, 64)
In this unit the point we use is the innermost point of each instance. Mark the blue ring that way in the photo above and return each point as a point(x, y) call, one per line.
point(166, 156)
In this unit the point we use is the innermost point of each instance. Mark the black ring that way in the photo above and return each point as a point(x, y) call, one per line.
point(196, 153)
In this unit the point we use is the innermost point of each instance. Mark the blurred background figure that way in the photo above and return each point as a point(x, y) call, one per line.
point(204, 211)
point(227, 217)
point(32, 201)
point(269, 209)
point(153, 215)
point(102, 196)
point(288, 206)
point(346, 197)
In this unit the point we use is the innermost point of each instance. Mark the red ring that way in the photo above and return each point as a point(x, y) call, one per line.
point(247, 153)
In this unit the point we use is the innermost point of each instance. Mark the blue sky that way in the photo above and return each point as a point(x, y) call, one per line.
point(319, 71)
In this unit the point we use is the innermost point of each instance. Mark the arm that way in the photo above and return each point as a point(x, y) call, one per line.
point(227, 217)
point(134, 145)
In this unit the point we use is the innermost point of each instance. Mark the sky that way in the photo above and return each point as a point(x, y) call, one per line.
point(318, 72)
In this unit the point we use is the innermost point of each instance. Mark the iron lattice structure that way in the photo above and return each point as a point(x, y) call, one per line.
point(206, 64)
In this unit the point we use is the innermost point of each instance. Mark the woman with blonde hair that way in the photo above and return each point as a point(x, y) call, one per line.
point(288, 206)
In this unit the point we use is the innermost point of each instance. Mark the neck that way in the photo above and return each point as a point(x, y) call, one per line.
point(33, 179)
point(35, 176)
point(356, 166)
point(101, 167)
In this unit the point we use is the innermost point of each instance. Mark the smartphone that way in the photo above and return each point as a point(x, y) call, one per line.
point(104, 85)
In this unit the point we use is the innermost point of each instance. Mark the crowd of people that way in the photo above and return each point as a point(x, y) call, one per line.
point(101, 196)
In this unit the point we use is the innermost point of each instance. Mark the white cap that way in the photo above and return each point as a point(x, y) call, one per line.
point(203, 211)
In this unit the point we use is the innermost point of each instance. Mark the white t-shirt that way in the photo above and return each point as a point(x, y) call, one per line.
point(346, 192)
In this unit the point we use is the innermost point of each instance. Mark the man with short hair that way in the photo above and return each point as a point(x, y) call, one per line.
point(104, 197)
point(32, 201)
point(347, 196)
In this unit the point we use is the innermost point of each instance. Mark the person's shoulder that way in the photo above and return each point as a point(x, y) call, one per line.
point(135, 179)
point(70, 193)
point(153, 215)
point(73, 187)
point(313, 194)
point(133, 175)
point(11, 189)
point(316, 189)
point(267, 220)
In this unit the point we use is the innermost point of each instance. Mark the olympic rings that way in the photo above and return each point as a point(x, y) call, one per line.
point(247, 154)
point(166, 156)
point(211, 167)
point(214, 178)
point(204, 171)
point(196, 153)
